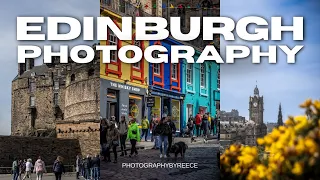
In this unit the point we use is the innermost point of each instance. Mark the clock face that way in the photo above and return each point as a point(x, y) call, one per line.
point(255, 104)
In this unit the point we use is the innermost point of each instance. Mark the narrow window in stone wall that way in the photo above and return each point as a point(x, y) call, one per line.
point(56, 85)
point(56, 99)
point(203, 75)
point(73, 77)
point(32, 101)
point(59, 72)
point(32, 87)
point(189, 73)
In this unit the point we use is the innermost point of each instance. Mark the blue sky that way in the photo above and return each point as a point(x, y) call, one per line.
point(288, 84)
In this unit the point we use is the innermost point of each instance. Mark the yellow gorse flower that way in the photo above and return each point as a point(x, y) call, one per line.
point(292, 149)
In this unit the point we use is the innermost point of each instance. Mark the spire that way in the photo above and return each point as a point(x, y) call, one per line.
point(256, 90)
point(280, 122)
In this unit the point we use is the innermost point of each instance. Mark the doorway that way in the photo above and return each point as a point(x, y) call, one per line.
point(112, 104)
point(166, 107)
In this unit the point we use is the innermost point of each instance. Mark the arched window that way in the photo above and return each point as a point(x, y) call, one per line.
point(73, 77)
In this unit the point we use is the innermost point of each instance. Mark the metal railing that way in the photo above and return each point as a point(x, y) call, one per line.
point(68, 168)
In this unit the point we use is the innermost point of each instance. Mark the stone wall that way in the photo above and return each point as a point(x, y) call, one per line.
point(32, 147)
point(87, 133)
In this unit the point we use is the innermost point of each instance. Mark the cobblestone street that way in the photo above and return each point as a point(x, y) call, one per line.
point(203, 154)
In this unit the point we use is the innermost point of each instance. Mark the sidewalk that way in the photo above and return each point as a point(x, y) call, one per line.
point(198, 140)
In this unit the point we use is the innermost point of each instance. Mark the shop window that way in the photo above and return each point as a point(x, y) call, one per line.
point(218, 105)
point(203, 110)
point(203, 75)
point(189, 73)
point(113, 41)
point(174, 71)
point(175, 113)
point(135, 107)
point(156, 109)
point(189, 110)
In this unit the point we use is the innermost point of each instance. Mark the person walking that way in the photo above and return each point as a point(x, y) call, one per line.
point(205, 125)
point(163, 131)
point(29, 167)
point(198, 124)
point(39, 168)
point(96, 167)
point(22, 168)
point(218, 127)
point(123, 131)
point(209, 122)
point(113, 140)
point(15, 169)
point(190, 127)
point(134, 136)
point(145, 128)
point(154, 137)
point(103, 139)
point(214, 125)
point(87, 167)
point(171, 134)
point(58, 167)
point(78, 166)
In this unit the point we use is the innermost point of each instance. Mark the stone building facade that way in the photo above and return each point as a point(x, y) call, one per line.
point(58, 100)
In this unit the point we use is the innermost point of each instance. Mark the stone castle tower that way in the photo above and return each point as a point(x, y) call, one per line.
point(58, 100)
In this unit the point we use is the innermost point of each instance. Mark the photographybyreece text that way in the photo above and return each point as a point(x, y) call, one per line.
point(157, 31)
point(160, 165)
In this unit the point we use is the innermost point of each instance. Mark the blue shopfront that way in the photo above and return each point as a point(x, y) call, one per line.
point(165, 85)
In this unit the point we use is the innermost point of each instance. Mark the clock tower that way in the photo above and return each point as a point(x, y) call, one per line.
point(256, 107)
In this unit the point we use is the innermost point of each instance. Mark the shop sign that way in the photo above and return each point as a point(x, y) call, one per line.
point(126, 87)
point(124, 109)
point(150, 101)
point(167, 95)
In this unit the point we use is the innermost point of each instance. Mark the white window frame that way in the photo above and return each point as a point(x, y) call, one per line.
point(137, 65)
point(158, 68)
point(113, 40)
point(203, 79)
point(174, 71)
point(189, 73)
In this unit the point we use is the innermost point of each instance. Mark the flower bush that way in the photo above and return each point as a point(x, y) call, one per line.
point(289, 152)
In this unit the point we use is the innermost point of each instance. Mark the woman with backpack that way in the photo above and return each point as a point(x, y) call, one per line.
point(134, 136)
point(29, 166)
point(58, 167)
point(163, 131)
point(39, 168)
point(113, 140)
point(15, 169)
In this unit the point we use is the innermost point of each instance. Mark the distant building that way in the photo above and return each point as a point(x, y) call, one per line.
point(271, 126)
point(235, 129)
